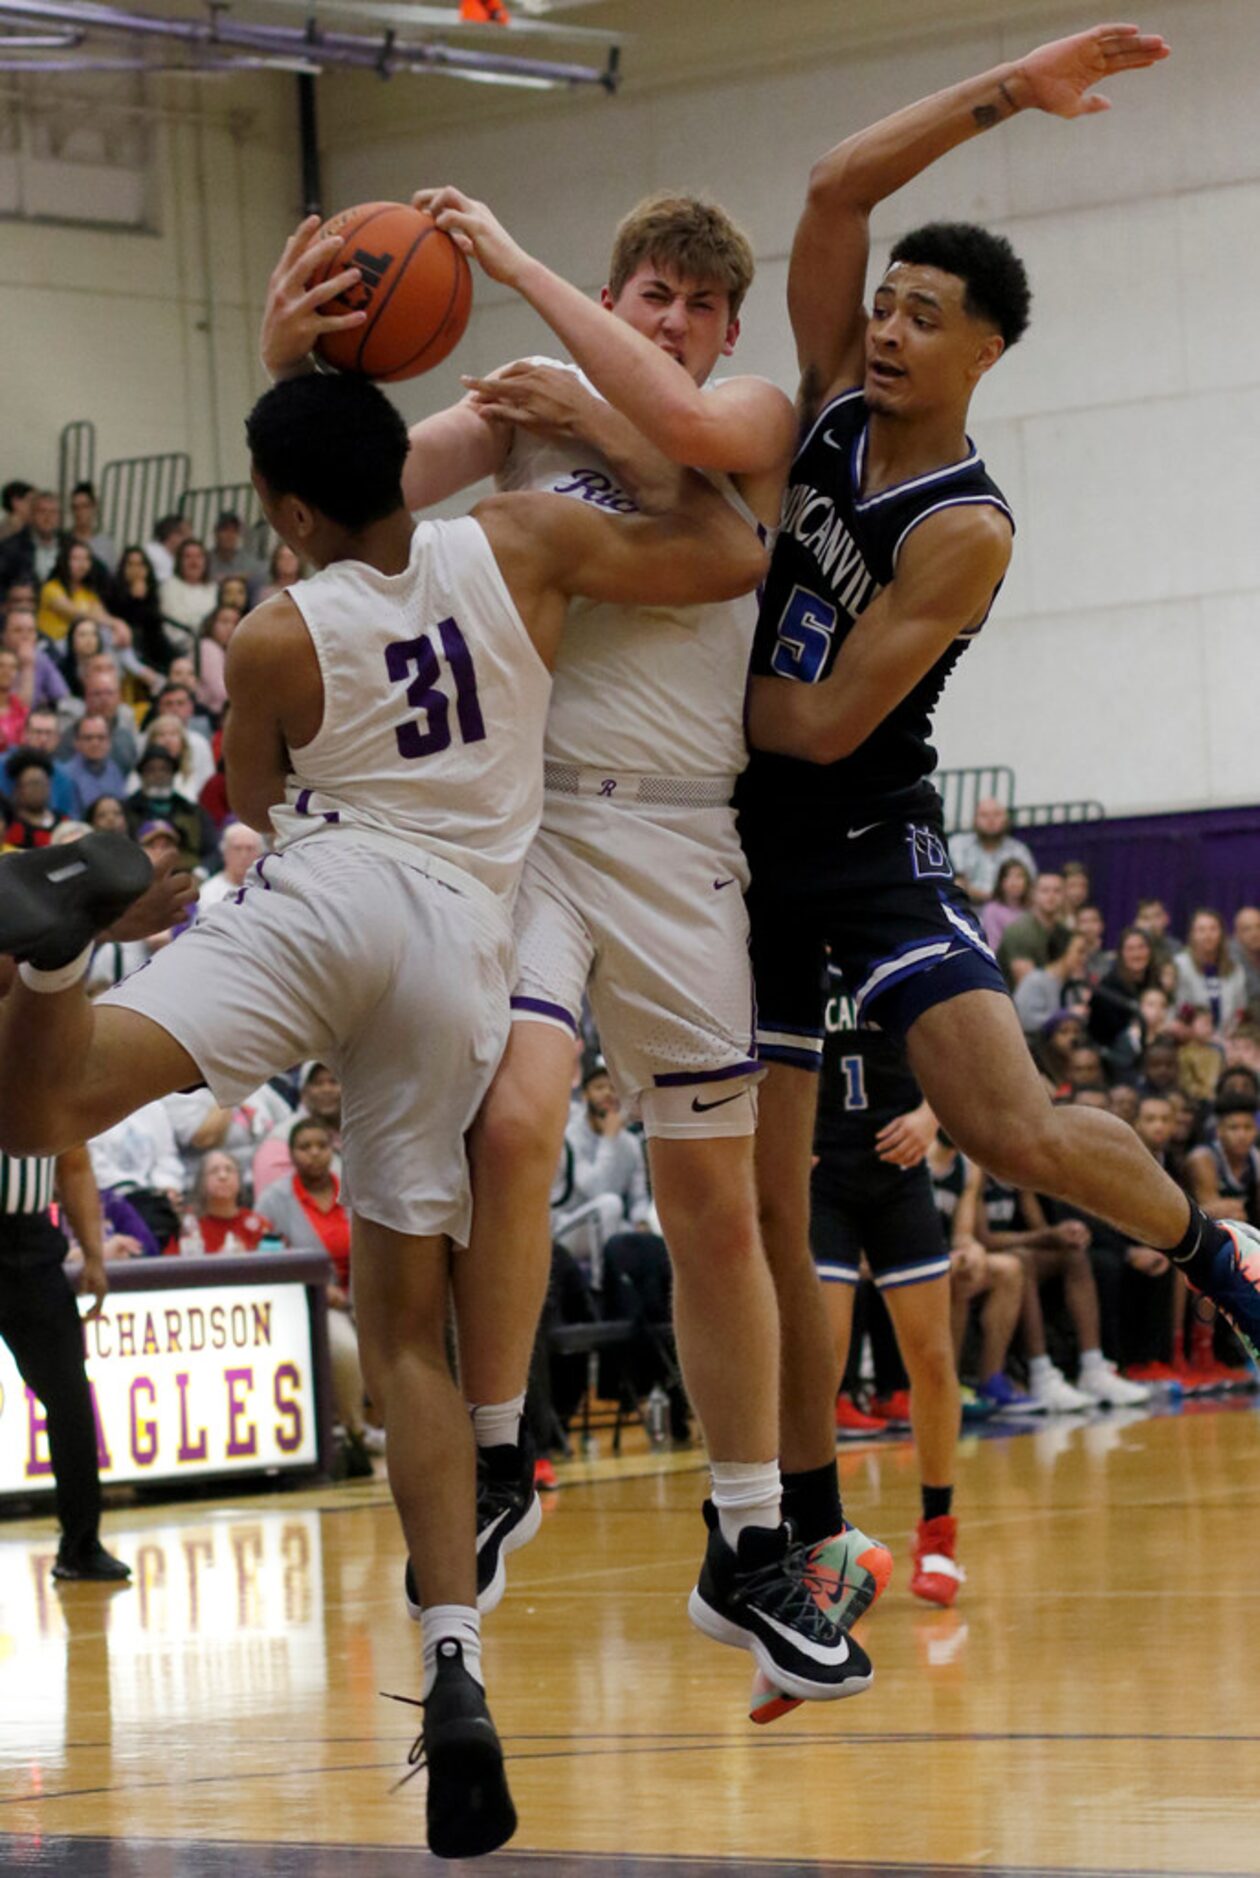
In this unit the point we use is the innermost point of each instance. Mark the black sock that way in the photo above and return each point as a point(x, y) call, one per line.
point(1195, 1252)
point(812, 1502)
point(937, 1501)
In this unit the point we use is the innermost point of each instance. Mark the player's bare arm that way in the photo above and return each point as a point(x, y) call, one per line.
point(277, 698)
point(548, 401)
point(947, 574)
point(827, 275)
point(743, 427)
point(550, 549)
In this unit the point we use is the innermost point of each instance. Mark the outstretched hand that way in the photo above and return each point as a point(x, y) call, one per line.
point(292, 318)
point(1060, 77)
point(162, 904)
point(475, 230)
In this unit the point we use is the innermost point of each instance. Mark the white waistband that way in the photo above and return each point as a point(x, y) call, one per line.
point(569, 779)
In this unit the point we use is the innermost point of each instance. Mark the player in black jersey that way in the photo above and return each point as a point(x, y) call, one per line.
point(1225, 1175)
point(895, 542)
point(872, 1192)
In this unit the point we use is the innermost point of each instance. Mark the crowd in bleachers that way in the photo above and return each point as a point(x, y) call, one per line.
point(111, 716)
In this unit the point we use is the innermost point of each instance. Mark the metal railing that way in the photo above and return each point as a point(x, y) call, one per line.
point(76, 459)
point(135, 491)
point(201, 509)
point(961, 789)
point(1056, 814)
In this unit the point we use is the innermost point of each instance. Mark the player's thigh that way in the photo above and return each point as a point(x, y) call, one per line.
point(973, 1065)
point(671, 987)
point(554, 947)
point(416, 1068)
point(257, 985)
point(130, 1061)
point(522, 1121)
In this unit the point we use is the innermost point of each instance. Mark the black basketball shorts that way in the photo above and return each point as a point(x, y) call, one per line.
point(891, 916)
point(859, 1203)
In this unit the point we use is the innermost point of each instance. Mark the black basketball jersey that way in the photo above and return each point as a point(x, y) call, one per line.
point(866, 1080)
point(835, 551)
point(947, 1188)
point(1244, 1187)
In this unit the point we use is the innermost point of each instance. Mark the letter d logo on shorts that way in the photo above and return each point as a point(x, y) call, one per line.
point(929, 856)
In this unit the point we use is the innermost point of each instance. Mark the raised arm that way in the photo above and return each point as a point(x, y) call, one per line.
point(947, 573)
point(827, 275)
point(743, 427)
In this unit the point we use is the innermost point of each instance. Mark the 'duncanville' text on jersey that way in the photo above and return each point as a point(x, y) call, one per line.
point(834, 553)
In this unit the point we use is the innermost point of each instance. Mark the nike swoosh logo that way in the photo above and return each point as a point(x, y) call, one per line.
point(702, 1108)
point(829, 1654)
point(488, 1532)
point(719, 884)
point(855, 832)
point(828, 438)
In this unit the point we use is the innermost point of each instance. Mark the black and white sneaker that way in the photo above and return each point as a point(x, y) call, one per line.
point(468, 1809)
point(509, 1514)
point(55, 901)
point(765, 1598)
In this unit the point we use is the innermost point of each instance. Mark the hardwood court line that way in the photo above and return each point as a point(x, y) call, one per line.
point(542, 1864)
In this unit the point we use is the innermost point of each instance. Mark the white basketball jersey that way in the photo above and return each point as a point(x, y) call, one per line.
point(646, 690)
point(435, 699)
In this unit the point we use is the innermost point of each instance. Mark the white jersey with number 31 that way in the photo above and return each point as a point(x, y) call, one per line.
point(435, 699)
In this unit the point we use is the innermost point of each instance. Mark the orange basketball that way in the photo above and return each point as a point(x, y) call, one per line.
point(415, 287)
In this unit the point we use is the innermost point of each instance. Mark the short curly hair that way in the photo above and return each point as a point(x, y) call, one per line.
point(994, 276)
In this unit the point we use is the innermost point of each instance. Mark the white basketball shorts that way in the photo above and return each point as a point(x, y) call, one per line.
point(395, 978)
point(643, 909)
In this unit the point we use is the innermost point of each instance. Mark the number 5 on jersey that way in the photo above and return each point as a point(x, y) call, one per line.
point(425, 693)
point(806, 631)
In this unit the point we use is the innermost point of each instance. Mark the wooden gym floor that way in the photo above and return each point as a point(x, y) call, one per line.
point(1091, 1705)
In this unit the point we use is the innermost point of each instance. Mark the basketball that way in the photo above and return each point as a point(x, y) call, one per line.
point(415, 287)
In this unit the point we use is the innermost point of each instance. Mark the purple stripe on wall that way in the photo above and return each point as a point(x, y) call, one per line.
point(1209, 857)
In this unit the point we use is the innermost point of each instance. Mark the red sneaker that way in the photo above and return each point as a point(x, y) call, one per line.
point(1157, 1375)
point(544, 1472)
point(893, 1408)
point(852, 1424)
point(937, 1574)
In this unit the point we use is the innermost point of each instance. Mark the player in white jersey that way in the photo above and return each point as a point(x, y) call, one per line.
point(633, 888)
point(387, 720)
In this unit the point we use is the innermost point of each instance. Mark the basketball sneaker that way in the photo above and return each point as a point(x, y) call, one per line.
point(468, 1808)
point(509, 1513)
point(1103, 1383)
point(1235, 1284)
point(1006, 1400)
point(937, 1573)
point(1057, 1395)
point(766, 1598)
point(894, 1408)
point(55, 901)
point(853, 1425)
point(860, 1568)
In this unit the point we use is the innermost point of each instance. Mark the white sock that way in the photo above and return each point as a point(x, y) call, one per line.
point(61, 978)
point(1092, 1360)
point(746, 1493)
point(1039, 1368)
point(458, 1623)
point(497, 1424)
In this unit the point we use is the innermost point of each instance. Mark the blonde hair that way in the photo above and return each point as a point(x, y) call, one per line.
point(696, 239)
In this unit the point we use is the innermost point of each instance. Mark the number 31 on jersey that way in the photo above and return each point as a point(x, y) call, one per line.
point(425, 692)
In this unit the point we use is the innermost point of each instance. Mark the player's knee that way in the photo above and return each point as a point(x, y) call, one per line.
point(27, 1128)
point(513, 1130)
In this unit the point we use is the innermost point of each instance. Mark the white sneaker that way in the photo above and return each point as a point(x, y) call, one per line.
point(1057, 1395)
point(1102, 1383)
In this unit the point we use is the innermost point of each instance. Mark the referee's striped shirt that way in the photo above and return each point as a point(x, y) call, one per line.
point(26, 1183)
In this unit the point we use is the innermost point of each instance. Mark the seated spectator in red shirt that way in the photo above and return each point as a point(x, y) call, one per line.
point(305, 1206)
point(224, 1224)
point(319, 1098)
point(29, 776)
